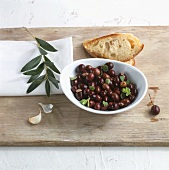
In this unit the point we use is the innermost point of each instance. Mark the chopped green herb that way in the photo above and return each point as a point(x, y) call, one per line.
point(127, 91)
point(91, 87)
point(107, 81)
point(73, 78)
point(122, 78)
point(85, 102)
point(128, 82)
point(105, 103)
point(105, 68)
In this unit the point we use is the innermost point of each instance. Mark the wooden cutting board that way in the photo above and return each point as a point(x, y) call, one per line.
point(71, 126)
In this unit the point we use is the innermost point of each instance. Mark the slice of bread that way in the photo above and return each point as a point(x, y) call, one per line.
point(119, 46)
point(131, 62)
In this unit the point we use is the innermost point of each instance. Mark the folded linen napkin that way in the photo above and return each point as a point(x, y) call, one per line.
point(15, 54)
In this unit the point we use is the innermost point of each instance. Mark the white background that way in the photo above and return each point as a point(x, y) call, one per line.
point(54, 13)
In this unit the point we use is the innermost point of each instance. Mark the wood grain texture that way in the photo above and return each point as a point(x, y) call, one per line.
point(71, 126)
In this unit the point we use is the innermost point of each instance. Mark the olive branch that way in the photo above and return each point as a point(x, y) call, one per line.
point(41, 68)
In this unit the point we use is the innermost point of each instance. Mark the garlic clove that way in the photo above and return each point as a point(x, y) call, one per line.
point(36, 119)
point(47, 108)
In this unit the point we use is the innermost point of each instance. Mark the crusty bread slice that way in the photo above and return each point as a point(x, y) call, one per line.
point(119, 46)
point(131, 62)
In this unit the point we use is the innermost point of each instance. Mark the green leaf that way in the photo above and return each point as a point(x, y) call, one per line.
point(36, 71)
point(128, 82)
point(91, 87)
point(73, 78)
point(122, 78)
point(45, 45)
point(50, 73)
point(47, 88)
point(126, 91)
point(54, 81)
point(36, 83)
point(83, 102)
point(105, 68)
point(52, 66)
point(105, 103)
point(122, 95)
point(47, 59)
point(32, 64)
point(42, 51)
point(33, 78)
point(107, 81)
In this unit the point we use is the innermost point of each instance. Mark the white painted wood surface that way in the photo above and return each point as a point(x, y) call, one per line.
point(53, 13)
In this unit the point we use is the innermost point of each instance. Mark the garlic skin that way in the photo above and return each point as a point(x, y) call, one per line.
point(36, 119)
point(47, 108)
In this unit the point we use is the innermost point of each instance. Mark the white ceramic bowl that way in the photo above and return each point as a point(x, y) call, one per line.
point(133, 74)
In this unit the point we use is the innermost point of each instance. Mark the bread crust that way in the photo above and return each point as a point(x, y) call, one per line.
point(131, 62)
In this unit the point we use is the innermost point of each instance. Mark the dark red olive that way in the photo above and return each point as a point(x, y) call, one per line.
point(132, 98)
point(105, 76)
point(91, 92)
point(103, 93)
point(115, 97)
point(111, 84)
point(112, 73)
point(116, 81)
point(82, 86)
point(92, 83)
point(134, 91)
point(106, 87)
point(131, 86)
point(93, 97)
point(106, 98)
point(83, 77)
point(86, 92)
point(110, 65)
point(81, 68)
point(121, 104)
point(79, 78)
point(79, 95)
point(113, 106)
point(125, 101)
point(91, 103)
point(96, 71)
point(100, 80)
point(97, 106)
point(99, 67)
point(90, 77)
point(117, 91)
point(110, 105)
point(89, 68)
point(98, 98)
point(97, 89)
point(109, 93)
point(73, 89)
point(155, 110)
point(74, 82)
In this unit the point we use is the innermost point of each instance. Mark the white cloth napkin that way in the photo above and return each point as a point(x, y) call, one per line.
point(15, 54)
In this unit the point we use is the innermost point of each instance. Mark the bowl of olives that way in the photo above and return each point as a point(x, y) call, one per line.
point(103, 86)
